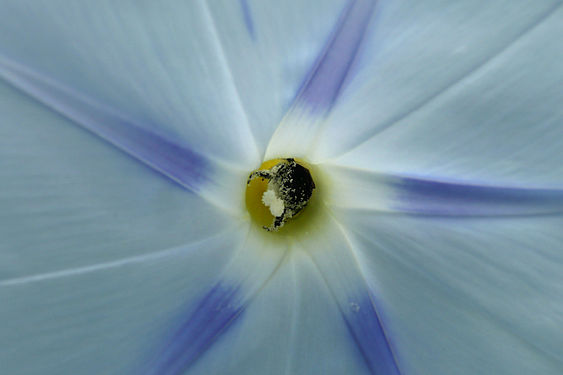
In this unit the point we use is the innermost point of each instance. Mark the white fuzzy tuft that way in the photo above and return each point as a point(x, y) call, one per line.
point(275, 204)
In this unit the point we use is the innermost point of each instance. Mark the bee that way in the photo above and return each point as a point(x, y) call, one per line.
point(290, 187)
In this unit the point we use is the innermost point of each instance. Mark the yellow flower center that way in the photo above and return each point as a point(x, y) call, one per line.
point(281, 195)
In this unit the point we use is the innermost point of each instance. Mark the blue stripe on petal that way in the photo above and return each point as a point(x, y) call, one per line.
point(431, 197)
point(177, 162)
point(341, 267)
point(323, 84)
point(247, 18)
point(198, 330)
point(366, 327)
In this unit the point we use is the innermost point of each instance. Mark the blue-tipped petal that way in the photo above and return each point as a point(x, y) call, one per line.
point(356, 189)
point(297, 132)
point(324, 81)
point(193, 333)
point(160, 63)
point(211, 315)
point(71, 200)
point(443, 198)
point(365, 325)
point(362, 311)
point(176, 161)
point(293, 326)
point(478, 295)
point(280, 42)
point(496, 115)
point(101, 320)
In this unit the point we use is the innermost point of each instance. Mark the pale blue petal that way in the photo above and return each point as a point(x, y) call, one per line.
point(159, 63)
point(271, 48)
point(422, 195)
point(322, 86)
point(298, 132)
point(360, 308)
point(191, 336)
point(211, 179)
point(210, 317)
point(478, 295)
point(71, 200)
point(103, 320)
point(462, 88)
point(293, 326)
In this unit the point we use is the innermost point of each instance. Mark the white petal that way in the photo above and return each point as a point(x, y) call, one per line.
point(481, 296)
point(162, 64)
point(293, 326)
point(462, 90)
point(70, 200)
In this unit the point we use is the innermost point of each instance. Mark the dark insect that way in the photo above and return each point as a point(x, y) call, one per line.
point(290, 186)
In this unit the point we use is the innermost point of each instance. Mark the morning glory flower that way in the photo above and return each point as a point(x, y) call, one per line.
point(431, 243)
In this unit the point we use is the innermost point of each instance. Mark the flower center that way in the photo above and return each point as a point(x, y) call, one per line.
point(278, 191)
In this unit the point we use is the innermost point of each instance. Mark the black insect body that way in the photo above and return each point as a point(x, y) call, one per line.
point(292, 184)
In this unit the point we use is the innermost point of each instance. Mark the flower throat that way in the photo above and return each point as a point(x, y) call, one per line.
point(278, 191)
